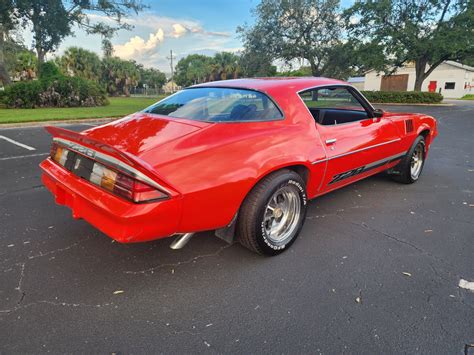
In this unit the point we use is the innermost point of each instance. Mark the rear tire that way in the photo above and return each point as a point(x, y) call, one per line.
point(273, 213)
point(409, 169)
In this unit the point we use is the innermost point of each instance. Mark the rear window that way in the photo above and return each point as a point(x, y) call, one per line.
point(218, 105)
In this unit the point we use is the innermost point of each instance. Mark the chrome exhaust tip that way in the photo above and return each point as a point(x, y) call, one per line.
point(181, 240)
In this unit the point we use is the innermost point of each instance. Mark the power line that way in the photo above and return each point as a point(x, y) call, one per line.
point(170, 58)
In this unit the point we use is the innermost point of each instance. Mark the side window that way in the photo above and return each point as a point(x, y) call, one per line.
point(331, 106)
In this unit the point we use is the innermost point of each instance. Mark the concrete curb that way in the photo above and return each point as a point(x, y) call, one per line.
point(48, 123)
point(401, 104)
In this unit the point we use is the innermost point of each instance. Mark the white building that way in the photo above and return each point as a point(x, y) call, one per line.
point(451, 79)
point(170, 87)
point(357, 81)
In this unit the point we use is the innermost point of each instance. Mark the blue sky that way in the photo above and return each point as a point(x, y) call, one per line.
point(185, 26)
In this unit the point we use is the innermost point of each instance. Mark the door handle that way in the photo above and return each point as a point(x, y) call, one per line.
point(331, 141)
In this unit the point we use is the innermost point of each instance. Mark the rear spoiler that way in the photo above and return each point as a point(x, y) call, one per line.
point(138, 167)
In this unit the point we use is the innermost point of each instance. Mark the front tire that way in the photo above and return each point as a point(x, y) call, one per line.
point(409, 169)
point(273, 213)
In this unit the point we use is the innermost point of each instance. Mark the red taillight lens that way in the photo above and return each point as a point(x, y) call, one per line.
point(143, 192)
point(123, 185)
point(135, 190)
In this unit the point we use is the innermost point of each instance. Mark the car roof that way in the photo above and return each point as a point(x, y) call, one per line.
point(264, 84)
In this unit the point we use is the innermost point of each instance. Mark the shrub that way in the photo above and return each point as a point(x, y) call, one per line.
point(56, 91)
point(405, 97)
point(49, 71)
point(468, 97)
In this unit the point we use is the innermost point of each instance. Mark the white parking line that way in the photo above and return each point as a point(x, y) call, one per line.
point(23, 156)
point(17, 143)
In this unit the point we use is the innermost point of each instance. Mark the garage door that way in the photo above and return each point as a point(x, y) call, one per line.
point(394, 82)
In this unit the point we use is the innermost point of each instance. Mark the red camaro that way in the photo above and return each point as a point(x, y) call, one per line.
point(241, 157)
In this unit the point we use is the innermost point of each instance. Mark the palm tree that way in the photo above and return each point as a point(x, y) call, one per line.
point(226, 65)
point(119, 75)
point(80, 62)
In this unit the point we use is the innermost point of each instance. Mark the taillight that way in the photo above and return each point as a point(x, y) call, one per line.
point(59, 154)
point(109, 179)
point(124, 185)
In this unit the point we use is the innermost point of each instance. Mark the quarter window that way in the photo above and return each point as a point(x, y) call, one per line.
point(333, 105)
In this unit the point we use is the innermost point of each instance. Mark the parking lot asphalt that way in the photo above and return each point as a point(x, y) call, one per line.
point(375, 270)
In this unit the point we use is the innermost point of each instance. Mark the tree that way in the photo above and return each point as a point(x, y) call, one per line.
point(107, 47)
point(7, 23)
point(152, 78)
point(426, 32)
point(80, 62)
point(226, 65)
point(256, 65)
point(23, 64)
point(193, 69)
point(119, 75)
point(295, 29)
point(50, 22)
point(53, 20)
point(302, 71)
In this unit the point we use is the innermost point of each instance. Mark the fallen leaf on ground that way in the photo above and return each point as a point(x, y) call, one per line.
point(118, 292)
point(358, 300)
point(466, 284)
point(406, 273)
point(428, 230)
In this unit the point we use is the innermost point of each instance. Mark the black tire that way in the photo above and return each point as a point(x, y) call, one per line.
point(251, 224)
point(403, 171)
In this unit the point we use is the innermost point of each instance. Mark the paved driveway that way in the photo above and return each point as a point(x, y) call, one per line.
point(375, 270)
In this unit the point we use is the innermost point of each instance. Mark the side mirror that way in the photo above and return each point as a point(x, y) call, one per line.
point(378, 113)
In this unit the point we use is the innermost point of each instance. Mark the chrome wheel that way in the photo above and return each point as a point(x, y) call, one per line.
point(416, 162)
point(282, 215)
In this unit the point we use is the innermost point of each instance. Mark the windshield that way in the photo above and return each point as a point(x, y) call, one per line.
point(218, 105)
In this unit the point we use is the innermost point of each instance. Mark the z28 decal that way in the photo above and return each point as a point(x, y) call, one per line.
point(363, 169)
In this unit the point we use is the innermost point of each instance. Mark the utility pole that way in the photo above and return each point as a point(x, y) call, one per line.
point(171, 57)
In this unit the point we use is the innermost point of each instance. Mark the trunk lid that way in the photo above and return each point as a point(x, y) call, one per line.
point(140, 133)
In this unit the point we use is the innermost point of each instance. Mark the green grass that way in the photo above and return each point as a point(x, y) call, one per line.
point(119, 106)
point(468, 97)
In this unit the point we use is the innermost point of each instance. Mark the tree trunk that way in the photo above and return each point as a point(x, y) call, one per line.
point(40, 54)
point(420, 66)
point(314, 67)
point(4, 77)
point(37, 38)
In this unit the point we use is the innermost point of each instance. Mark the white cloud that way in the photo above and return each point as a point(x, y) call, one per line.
point(137, 46)
point(179, 30)
point(146, 50)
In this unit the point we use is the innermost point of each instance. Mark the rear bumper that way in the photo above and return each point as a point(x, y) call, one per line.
point(121, 220)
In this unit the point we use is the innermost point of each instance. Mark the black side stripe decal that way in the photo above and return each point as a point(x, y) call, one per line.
point(365, 168)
